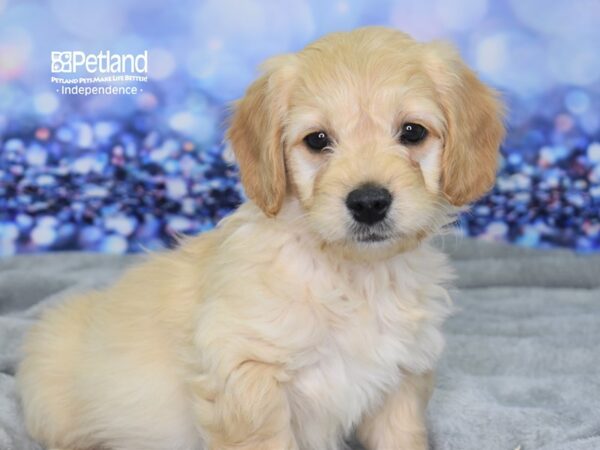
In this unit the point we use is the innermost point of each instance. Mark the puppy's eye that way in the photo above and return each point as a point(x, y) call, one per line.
point(412, 133)
point(317, 141)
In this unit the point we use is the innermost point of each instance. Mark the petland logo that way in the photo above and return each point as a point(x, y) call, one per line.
point(103, 62)
point(104, 67)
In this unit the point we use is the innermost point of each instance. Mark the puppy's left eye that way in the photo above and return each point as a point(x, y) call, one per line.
point(317, 141)
point(412, 133)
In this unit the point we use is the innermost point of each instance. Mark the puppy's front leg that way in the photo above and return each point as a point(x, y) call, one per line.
point(247, 410)
point(400, 423)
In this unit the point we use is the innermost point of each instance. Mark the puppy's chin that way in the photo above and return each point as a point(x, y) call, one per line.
point(373, 245)
point(377, 233)
point(372, 238)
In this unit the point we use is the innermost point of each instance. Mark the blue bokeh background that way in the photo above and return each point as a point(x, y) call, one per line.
point(123, 173)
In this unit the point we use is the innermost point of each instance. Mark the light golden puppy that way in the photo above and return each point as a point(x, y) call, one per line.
point(314, 310)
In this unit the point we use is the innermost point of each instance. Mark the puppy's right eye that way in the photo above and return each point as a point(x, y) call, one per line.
point(412, 133)
point(317, 141)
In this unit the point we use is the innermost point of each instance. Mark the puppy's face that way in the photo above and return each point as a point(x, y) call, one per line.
point(375, 134)
point(363, 137)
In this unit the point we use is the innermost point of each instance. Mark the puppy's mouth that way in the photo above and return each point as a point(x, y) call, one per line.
point(372, 238)
point(372, 233)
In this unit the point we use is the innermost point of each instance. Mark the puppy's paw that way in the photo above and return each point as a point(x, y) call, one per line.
point(288, 443)
point(400, 441)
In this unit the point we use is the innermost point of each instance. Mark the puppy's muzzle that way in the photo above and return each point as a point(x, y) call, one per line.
point(369, 203)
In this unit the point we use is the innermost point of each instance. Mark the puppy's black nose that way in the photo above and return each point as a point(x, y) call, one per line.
point(369, 203)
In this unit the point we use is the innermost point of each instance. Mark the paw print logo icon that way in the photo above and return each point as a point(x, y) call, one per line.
point(62, 62)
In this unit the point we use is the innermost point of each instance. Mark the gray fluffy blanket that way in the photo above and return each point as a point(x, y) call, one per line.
point(521, 368)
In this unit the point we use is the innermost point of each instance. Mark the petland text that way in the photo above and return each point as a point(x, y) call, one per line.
point(103, 62)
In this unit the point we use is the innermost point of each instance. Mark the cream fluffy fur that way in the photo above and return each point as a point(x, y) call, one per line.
point(279, 329)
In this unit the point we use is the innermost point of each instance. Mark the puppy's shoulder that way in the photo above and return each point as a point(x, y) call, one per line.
point(426, 263)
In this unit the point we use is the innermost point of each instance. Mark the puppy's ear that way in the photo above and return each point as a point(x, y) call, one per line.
point(255, 134)
point(474, 126)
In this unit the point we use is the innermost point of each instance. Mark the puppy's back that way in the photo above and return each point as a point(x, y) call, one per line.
point(46, 375)
point(90, 362)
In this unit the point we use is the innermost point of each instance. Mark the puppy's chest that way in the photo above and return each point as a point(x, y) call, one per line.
point(369, 332)
point(355, 365)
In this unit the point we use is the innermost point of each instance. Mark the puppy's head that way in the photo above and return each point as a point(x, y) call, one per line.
point(377, 136)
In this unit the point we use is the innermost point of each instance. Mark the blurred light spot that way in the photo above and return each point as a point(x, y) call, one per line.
point(549, 155)
point(201, 126)
point(45, 180)
point(574, 60)
point(565, 19)
point(94, 20)
point(90, 235)
point(121, 224)
point(563, 122)
point(43, 235)
point(130, 43)
point(47, 221)
point(337, 15)
point(594, 175)
point(460, 16)
point(147, 101)
point(515, 159)
point(114, 244)
point(93, 190)
point(104, 130)
point(214, 44)
point(593, 152)
point(577, 101)
point(66, 231)
point(161, 64)
point(42, 134)
point(415, 18)
point(10, 231)
point(168, 149)
point(495, 231)
point(45, 103)
point(84, 164)
point(36, 155)
point(180, 224)
point(183, 121)
point(342, 7)
point(223, 74)
point(85, 135)
point(24, 220)
point(15, 48)
point(492, 54)
point(64, 134)
point(501, 58)
point(268, 26)
point(228, 154)
point(590, 122)
point(530, 237)
point(14, 145)
point(176, 188)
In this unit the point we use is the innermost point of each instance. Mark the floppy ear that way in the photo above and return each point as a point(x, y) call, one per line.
point(474, 128)
point(255, 135)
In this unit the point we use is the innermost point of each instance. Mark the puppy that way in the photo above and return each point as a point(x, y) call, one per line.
point(312, 312)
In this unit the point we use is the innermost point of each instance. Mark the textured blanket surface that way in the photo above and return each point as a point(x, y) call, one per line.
point(521, 367)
